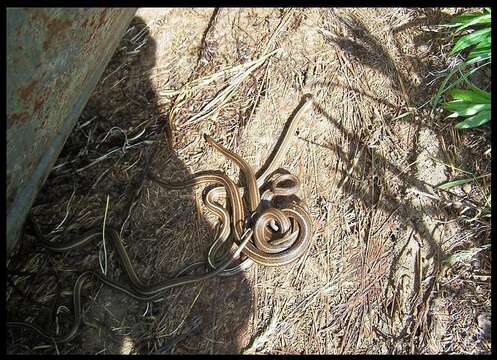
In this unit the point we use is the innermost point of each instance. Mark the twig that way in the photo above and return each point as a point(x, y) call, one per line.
point(263, 336)
point(223, 96)
point(103, 157)
point(67, 208)
point(104, 268)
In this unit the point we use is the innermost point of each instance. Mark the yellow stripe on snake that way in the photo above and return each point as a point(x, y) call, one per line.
point(266, 234)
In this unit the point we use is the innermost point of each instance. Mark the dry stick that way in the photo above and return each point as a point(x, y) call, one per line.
point(99, 178)
point(281, 25)
point(356, 302)
point(67, 208)
point(327, 304)
point(104, 268)
point(255, 312)
point(355, 334)
point(344, 338)
point(206, 80)
point(215, 104)
point(357, 156)
point(23, 294)
point(417, 296)
point(402, 87)
point(386, 220)
point(103, 157)
point(362, 323)
point(213, 328)
point(263, 335)
point(185, 90)
point(301, 263)
point(314, 165)
point(203, 42)
point(423, 307)
point(189, 310)
point(310, 298)
point(134, 198)
point(259, 92)
point(404, 249)
point(392, 136)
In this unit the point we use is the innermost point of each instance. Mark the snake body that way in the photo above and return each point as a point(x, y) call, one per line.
point(280, 235)
point(253, 184)
point(138, 290)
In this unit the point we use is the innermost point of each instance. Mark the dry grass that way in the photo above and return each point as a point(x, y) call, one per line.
point(396, 266)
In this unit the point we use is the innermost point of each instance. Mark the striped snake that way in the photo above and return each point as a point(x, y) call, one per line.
point(280, 235)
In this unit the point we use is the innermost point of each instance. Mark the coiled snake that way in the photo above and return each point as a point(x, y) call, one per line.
point(280, 235)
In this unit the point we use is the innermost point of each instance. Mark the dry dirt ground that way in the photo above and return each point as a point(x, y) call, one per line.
point(396, 265)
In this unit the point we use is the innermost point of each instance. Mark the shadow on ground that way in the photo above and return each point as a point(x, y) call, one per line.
point(165, 230)
point(119, 137)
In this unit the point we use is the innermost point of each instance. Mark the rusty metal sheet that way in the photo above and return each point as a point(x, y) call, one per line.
point(55, 57)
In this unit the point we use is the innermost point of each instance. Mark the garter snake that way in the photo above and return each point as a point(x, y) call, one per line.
point(138, 291)
point(280, 252)
point(292, 225)
point(267, 216)
point(253, 184)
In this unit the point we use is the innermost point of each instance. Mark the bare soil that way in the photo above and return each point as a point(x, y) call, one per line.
point(387, 270)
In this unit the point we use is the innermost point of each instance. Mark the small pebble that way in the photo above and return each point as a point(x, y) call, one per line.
point(457, 204)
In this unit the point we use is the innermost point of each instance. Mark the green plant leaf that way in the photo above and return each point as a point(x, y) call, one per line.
point(473, 103)
point(465, 18)
point(471, 39)
point(475, 60)
point(442, 89)
point(484, 43)
point(486, 40)
point(480, 19)
point(472, 96)
point(453, 183)
point(480, 54)
point(482, 93)
point(462, 108)
point(474, 121)
point(464, 76)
